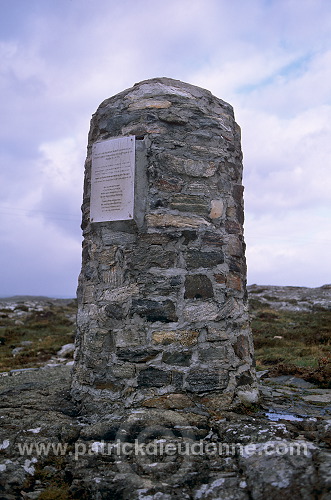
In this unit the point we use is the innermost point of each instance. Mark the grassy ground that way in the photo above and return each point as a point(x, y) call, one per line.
point(37, 336)
point(296, 343)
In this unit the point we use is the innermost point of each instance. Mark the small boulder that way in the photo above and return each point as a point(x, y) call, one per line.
point(66, 351)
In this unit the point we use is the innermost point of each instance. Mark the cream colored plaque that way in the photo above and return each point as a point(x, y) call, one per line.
point(112, 179)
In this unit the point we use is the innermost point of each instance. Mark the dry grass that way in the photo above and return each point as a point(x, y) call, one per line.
point(297, 343)
point(39, 336)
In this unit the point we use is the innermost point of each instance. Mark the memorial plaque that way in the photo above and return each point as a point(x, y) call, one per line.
point(112, 179)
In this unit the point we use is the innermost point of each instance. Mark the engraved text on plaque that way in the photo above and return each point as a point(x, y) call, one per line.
point(112, 179)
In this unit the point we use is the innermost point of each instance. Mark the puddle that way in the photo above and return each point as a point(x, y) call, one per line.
point(274, 417)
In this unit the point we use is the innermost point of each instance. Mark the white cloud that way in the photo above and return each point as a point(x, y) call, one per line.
point(292, 250)
point(287, 161)
point(270, 60)
point(62, 162)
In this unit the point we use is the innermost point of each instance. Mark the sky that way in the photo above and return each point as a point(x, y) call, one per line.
point(59, 59)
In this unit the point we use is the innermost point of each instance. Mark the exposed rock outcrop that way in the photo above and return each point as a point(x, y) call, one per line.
point(48, 451)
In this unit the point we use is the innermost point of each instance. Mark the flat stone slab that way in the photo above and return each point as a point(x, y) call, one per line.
point(289, 380)
point(318, 398)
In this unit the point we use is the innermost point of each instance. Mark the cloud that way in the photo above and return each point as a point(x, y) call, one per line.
point(286, 161)
point(271, 60)
point(38, 258)
point(292, 249)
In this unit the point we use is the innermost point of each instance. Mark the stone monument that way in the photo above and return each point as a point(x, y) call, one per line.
point(162, 315)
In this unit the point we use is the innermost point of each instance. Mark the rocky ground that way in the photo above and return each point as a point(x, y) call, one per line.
point(292, 298)
point(280, 447)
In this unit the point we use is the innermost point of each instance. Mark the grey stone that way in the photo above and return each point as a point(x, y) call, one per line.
point(235, 265)
point(196, 259)
point(136, 355)
point(318, 398)
point(291, 381)
point(214, 353)
point(225, 488)
point(163, 285)
point(200, 311)
point(175, 221)
point(206, 380)
point(66, 350)
point(192, 167)
point(153, 377)
point(189, 236)
point(177, 358)
point(293, 298)
point(272, 474)
point(17, 351)
point(114, 311)
point(177, 379)
point(152, 256)
point(154, 311)
point(324, 472)
point(172, 118)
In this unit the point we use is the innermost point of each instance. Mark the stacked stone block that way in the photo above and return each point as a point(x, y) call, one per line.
point(162, 314)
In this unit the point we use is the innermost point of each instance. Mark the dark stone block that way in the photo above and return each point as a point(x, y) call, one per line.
point(177, 358)
point(158, 202)
point(189, 236)
point(165, 285)
point(245, 379)
point(235, 265)
point(85, 254)
point(122, 226)
point(89, 272)
point(155, 311)
point(105, 380)
point(196, 259)
point(114, 311)
point(237, 192)
point(240, 214)
point(177, 379)
point(213, 353)
point(206, 380)
point(153, 377)
point(136, 355)
point(175, 281)
point(198, 286)
point(116, 122)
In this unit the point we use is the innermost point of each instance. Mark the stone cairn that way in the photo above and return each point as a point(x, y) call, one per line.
point(162, 304)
